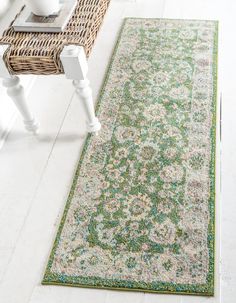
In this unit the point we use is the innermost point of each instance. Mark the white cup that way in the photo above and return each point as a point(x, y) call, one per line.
point(43, 7)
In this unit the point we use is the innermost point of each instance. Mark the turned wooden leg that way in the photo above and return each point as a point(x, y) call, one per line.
point(75, 67)
point(84, 91)
point(16, 92)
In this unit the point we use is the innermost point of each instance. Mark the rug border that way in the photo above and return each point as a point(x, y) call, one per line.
point(165, 287)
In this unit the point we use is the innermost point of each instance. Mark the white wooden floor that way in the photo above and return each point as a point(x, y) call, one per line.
point(36, 172)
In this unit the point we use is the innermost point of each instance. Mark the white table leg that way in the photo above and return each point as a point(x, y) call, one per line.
point(16, 92)
point(75, 67)
point(84, 91)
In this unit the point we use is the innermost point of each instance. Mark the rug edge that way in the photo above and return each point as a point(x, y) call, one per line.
point(144, 290)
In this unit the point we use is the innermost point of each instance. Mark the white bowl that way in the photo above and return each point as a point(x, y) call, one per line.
point(43, 7)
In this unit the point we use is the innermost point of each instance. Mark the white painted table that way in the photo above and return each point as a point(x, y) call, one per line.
point(74, 63)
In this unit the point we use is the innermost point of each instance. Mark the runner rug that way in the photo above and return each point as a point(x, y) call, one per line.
point(140, 213)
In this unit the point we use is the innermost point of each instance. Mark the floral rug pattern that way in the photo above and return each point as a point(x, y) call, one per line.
point(140, 214)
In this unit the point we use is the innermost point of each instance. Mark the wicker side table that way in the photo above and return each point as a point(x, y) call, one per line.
point(53, 53)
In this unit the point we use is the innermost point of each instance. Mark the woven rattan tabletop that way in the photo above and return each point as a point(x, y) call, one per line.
point(38, 53)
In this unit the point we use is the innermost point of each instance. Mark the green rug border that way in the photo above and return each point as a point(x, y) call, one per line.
point(157, 287)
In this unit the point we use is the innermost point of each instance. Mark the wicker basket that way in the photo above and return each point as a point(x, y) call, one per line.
point(38, 53)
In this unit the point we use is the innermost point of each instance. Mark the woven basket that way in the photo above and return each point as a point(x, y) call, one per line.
point(38, 53)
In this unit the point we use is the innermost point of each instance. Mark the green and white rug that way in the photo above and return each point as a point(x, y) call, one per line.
point(140, 213)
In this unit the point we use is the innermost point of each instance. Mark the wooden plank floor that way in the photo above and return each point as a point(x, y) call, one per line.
point(32, 196)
